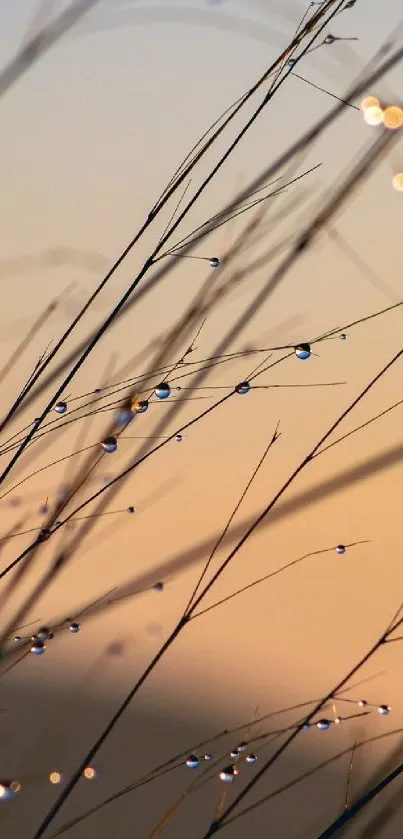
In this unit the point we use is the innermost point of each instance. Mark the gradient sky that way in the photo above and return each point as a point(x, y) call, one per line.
point(90, 136)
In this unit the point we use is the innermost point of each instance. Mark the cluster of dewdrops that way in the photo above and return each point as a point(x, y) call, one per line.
point(391, 117)
point(8, 789)
point(228, 773)
point(240, 755)
point(44, 634)
point(163, 391)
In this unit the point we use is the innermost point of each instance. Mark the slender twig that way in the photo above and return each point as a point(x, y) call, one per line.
point(270, 575)
point(302, 242)
point(328, 93)
point(185, 619)
point(222, 821)
point(362, 802)
point(37, 326)
point(150, 218)
point(310, 773)
point(223, 217)
point(303, 143)
point(349, 775)
point(244, 493)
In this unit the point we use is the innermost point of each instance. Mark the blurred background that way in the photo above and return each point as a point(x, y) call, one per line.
point(90, 136)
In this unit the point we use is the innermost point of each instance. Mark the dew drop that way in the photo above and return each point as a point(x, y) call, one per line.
point(303, 351)
point(192, 762)
point(228, 774)
point(61, 407)
point(162, 391)
point(109, 445)
point(242, 388)
point(38, 647)
point(140, 407)
point(43, 633)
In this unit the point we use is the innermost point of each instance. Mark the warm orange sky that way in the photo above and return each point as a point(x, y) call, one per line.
point(89, 138)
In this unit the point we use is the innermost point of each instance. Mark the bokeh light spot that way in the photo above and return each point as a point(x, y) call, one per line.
point(393, 117)
point(373, 115)
point(398, 182)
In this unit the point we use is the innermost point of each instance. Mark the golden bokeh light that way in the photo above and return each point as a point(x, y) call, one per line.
point(398, 181)
point(89, 773)
point(393, 117)
point(373, 115)
point(15, 786)
point(369, 102)
point(55, 777)
point(7, 788)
